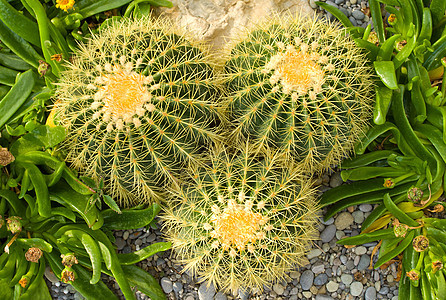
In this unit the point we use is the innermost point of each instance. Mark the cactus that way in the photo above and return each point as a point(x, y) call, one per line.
point(242, 222)
point(301, 86)
point(138, 105)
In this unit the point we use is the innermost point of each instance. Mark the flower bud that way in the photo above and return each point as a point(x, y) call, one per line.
point(437, 265)
point(43, 68)
point(24, 281)
point(6, 157)
point(69, 259)
point(413, 274)
point(14, 224)
point(392, 19)
point(33, 254)
point(415, 194)
point(389, 183)
point(420, 243)
point(67, 275)
point(400, 230)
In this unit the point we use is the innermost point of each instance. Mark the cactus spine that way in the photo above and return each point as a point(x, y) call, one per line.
point(242, 222)
point(302, 86)
point(138, 105)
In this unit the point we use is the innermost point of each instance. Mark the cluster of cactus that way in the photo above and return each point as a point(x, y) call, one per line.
point(242, 221)
point(138, 103)
point(302, 86)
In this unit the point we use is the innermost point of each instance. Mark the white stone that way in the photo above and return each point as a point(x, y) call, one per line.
point(215, 21)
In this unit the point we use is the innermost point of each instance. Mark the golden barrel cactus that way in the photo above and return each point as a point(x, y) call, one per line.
point(242, 222)
point(139, 104)
point(299, 85)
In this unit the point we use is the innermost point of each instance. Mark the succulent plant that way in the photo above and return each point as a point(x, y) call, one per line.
point(299, 85)
point(241, 222)
point(138, 105)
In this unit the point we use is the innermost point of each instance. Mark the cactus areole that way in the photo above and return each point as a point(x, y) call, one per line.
point(138, 105)
point(301, 86)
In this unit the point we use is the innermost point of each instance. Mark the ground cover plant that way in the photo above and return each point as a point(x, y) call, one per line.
point(48, 215)
point(400, 164)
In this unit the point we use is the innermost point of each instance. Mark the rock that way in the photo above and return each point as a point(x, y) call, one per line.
point(166, 284)
point(365, 207)
point(358, 216)
point(120, 243)
point(339, 2)
point(360, 250)
point(306, 280)
point(353, 1)
point(278, 288)
point(294, 274)
point(358, 15)
point(343, 221)
point(220, 296)
point(216, 21)
point(370, 293)
point(328, 233)
point(318, 268)
point(332, 286)
point(50, 275)
point(126, 234)
point(321, 279)
point(323, 297)
point(177, 286)
point(364, 262)
point(314, 253)
point(206, 292)
point(313, 4)
point(346, 279)
point(331, 3)
point(328, 222)
point(353, 20)
point(346, 13)
point(336, 179)
point(356, 288)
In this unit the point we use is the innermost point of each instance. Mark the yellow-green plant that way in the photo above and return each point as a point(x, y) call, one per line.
point(299, 85)
point(138, 105)
point(241, 222)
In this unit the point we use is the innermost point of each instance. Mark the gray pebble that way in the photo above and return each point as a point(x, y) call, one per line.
point(346, 279)
point(50, 275)
point(364, 262)
point(318, 268)
point(314, 253)
point(365, 207)
point(323, 297)
point(328, 233)
point(353, 20)
point(332, 3)
point(370, 293)
point(358, 216)
point(278, 288)
point(343, 221)
point(356, 288)
point(360, 250)
point(120, 243)
point(177, 286)
point(321, 279)
point(328, 222)
point(336, 179)
point(306, 279)
point(358, 15)
point(384, 290)
point(206, 292)
point(166, 284)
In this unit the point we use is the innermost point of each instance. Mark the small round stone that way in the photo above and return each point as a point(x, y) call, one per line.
point(321, 279)
point(370, 293)
point(306, 280)
point(346, 279)
point(166, 284)
point(343, 221)
point(332, 286)
point(358, 15)
point(328, 233)
point(206, 292)
point(365, 207)
point(220, 296)
point(356, 288)
point(278, 288)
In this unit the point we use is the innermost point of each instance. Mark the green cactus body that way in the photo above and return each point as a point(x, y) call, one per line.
point(302, 86)
point(242, 222)
point(138, 103)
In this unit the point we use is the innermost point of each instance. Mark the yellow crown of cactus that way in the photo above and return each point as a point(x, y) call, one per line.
point(299, 85)
point(138, 105)
point(243, 222)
